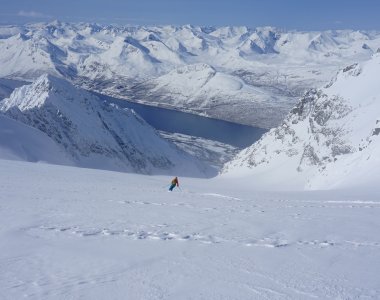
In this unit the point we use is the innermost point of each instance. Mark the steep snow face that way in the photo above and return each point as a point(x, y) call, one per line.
point(95, 134)
point(276, 66)
point(330, 139)
point(21, 142)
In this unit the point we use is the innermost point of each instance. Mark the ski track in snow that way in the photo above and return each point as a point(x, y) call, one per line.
point(73, 233)
point(158, 234)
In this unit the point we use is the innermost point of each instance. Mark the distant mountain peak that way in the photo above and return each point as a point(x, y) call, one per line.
point(39, 93)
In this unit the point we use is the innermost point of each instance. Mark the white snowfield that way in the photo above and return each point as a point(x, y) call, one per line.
point(331, 139)
point(72, 233)
point(261, 70)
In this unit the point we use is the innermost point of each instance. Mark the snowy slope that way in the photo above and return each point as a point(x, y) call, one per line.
point(71, 233)
point(274, 67)
point(330, 139)
point(95, 134)
point(21, 142)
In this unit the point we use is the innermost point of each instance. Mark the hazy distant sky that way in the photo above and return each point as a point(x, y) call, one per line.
point(287, 14)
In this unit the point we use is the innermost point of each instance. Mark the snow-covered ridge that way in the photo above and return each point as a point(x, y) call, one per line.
point(330, 139)
point(96, 134)
point(275, 65)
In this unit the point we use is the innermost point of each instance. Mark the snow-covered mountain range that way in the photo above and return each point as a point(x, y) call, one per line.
point(93, 133)
point(246, 75)
point(330, 138)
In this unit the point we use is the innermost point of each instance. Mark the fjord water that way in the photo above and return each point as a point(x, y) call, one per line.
point(174, 121)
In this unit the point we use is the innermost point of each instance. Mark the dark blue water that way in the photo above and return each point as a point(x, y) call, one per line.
point(180, 122)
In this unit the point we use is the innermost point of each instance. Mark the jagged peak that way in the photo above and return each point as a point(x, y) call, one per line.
point(268, 29)
point(57, 23)
point(41, 92)
point(28, 96)
point(48, 81)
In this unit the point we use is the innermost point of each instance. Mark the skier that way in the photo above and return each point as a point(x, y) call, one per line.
point(174, 183)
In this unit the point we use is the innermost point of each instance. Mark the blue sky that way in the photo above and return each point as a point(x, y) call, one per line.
point(287, 14)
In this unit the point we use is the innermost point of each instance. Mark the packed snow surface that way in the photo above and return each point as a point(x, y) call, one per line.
point(71, 233)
